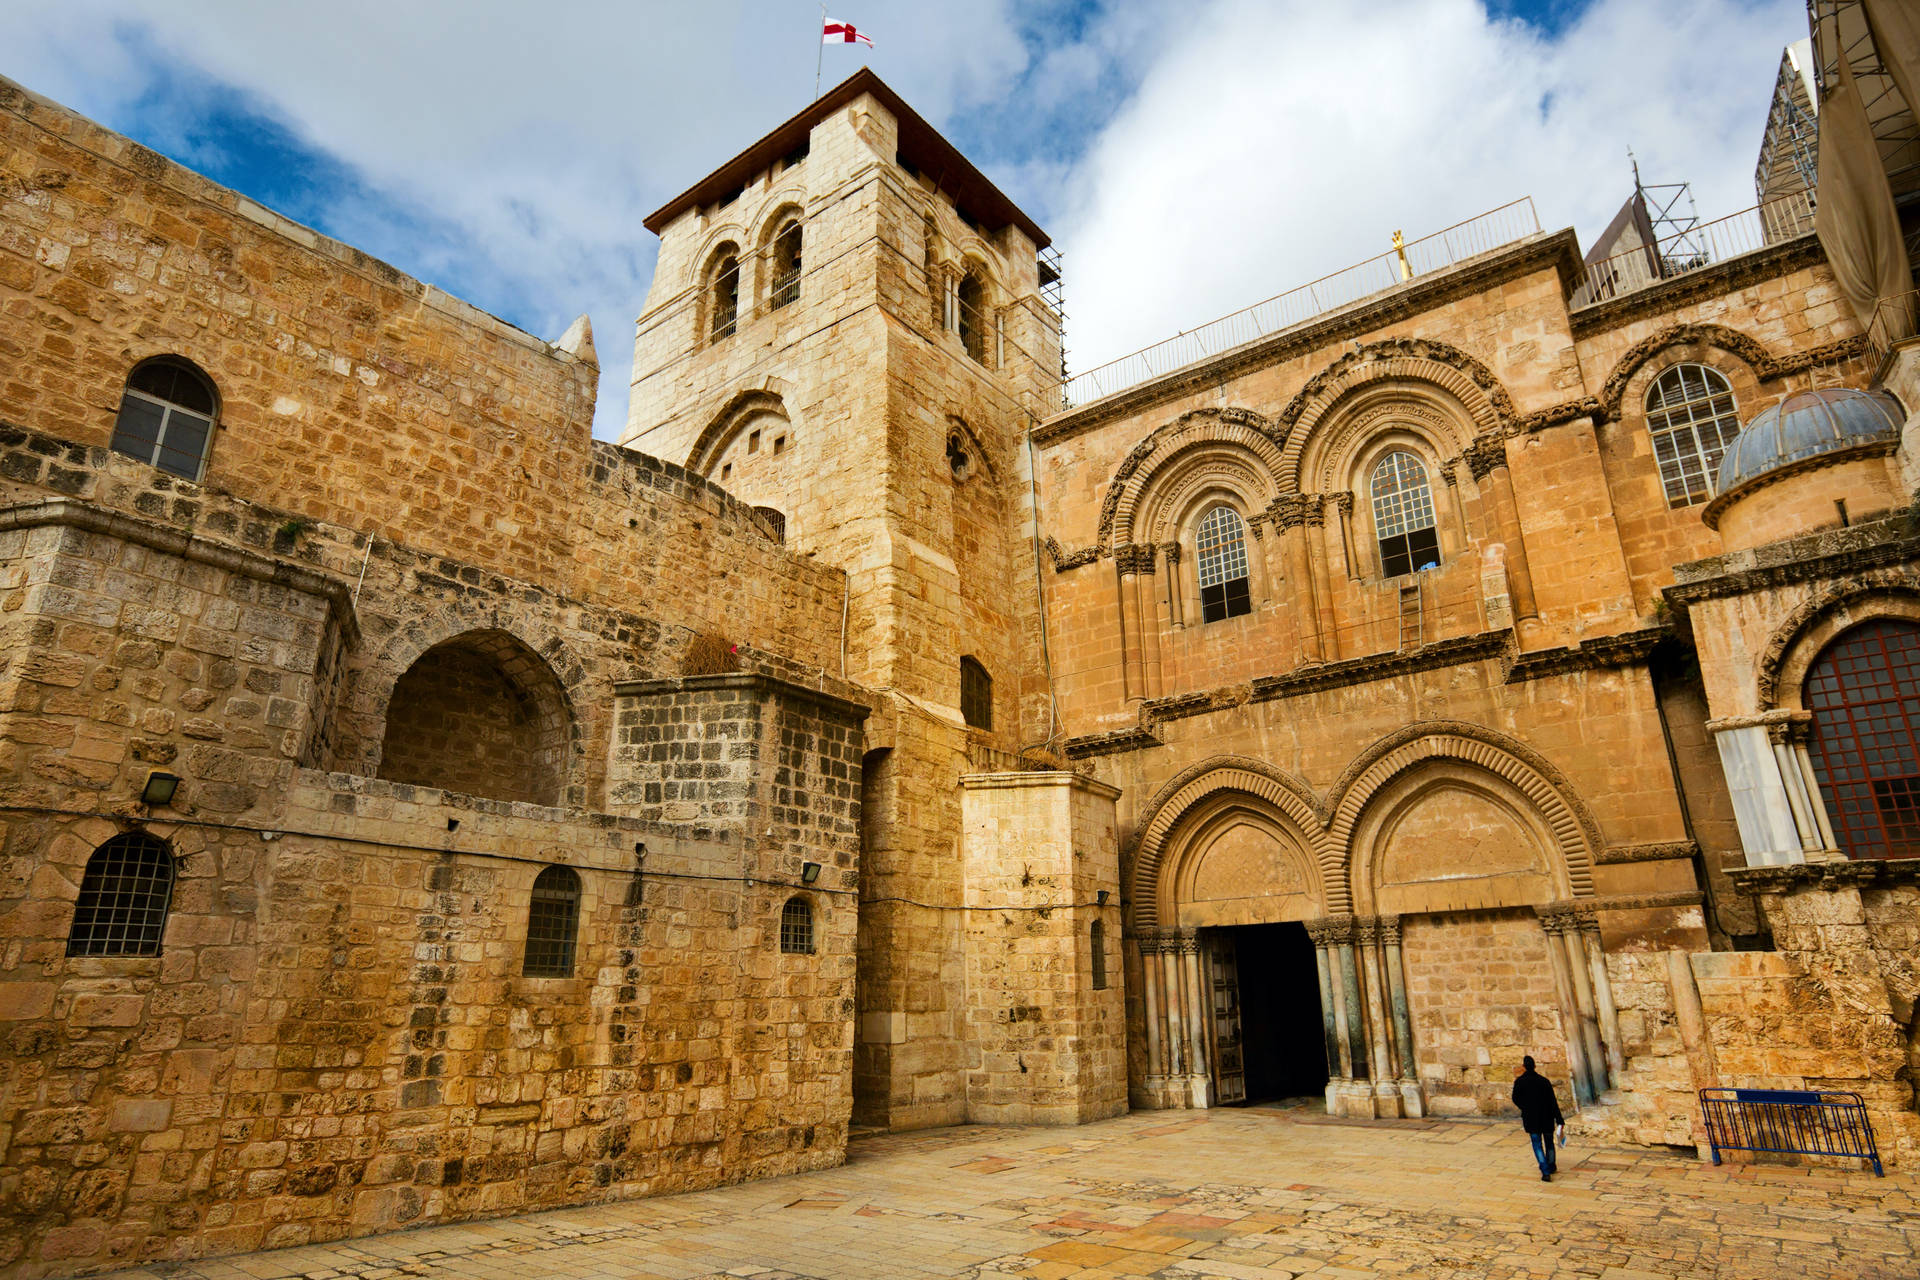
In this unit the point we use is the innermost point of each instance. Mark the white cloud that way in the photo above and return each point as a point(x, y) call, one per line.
point(1190, 158)
point(1273, 143)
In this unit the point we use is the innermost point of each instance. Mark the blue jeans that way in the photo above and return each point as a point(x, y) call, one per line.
point(1543, 1150)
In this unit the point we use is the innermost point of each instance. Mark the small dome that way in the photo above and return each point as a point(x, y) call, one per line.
point(1805, 425)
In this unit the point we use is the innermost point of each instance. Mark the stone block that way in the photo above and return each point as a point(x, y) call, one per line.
point(140, 1115)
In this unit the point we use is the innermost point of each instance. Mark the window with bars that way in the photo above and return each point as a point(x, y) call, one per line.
point(553, 924)
point(786, 265)
point(1403, 515)
point(796, 927)
point(124, 893)
point(1864, 693)
point(1692, 419)
point(725, 291)
point(166, 417)
point(1220, 550)
point(976, 694)
point(1097, 939)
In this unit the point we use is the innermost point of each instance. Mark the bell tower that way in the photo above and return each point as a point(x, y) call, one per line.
point(846, 330)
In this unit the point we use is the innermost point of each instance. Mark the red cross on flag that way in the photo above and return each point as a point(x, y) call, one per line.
point(836, 32)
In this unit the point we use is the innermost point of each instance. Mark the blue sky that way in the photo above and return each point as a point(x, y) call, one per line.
point(1189, 158)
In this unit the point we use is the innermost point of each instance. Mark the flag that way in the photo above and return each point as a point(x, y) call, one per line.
point(842, 33)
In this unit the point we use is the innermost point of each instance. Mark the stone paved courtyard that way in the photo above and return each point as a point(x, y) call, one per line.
point(1253, 1193)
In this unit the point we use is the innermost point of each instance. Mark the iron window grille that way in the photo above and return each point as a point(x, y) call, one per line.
point(726, 296)
point(1221, 549)
point(124, 895)
point(976, 695)
point(166, 417)
point(796, 928)
point(1403, 515)
point(553, 924)
point(786, 266)
point(1692, 418)
point(1864, 693)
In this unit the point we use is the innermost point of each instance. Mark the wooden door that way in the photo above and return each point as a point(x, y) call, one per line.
point(1229, 1060)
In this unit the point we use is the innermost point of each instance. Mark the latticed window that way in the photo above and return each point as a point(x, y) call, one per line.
point(786, 265)
point(976, 694)
point(122, 910)
point(1097, 938)
point(1403, 515)
point(1692, 418)
point(553, 924)
point(166, 417)
point(796, 927)
point(1221, 551)
point(1864, 693)
point(726, 295)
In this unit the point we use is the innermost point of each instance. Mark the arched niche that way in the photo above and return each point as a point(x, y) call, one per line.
point(481, 714)
point(1239, 861)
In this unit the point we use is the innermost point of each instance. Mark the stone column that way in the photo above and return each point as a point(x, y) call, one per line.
point(1147, 609)
point(1148, 945)
point(1780, 815)
point(1316, 534)
point(1337, 1064)
point(1486, 457)
point(1457, 505)
point(1580, 1080)
point(1411, 1103)
point(1343, 503)
point(1609, 1015)
point(1176, 605)
point(1174, 992)
point(1692, 1021)
point(1199, 1064)
point(1289, 517)
point(1262, 586)
point(1386, 1087)
point(1132, 652)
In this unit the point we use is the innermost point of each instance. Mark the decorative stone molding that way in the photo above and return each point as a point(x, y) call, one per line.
point(1366, 930)
point(1861, 873)
point(1557, 415)
point(1831, 553)
point(1335, 442)
point(1343, 502)
point(1486, 646)
point(1108, 744)
point(1626, 649)
point(1171, 550)
point(1390, 931)
point(1766, 367)
point(1331, 931)
point(1781, 725)
point(1063, 561)
point(1649, 901)
point(1288, 510)
point(1662, 851)
point(1485, 454)
point(1133, 558)
point(1346, 373)
point(1231, 426)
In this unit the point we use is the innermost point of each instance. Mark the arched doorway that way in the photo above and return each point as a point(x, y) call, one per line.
point(1864, 693)
point(480, 714)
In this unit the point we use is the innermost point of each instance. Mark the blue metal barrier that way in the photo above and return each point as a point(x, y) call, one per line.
point(1789, 1122)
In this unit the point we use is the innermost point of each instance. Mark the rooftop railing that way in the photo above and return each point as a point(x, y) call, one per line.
point(1783, 218)
point(1895, 322)
point(1510, 222)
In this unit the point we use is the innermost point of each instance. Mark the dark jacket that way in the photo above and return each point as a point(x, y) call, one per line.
point(1539, 1109)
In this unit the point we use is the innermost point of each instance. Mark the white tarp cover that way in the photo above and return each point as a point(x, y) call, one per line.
point(1857, 223)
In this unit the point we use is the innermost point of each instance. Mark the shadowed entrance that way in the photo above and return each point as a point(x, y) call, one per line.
point(1267, 1016)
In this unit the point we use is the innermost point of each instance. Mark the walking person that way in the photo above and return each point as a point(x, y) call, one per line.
point(1539, 1114)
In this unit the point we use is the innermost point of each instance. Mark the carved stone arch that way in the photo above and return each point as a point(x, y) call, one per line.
point(1329, 461)
point(1193, 479)
point(553, 681)
point(1283, 793)
point(1421, 365)
point(1736, 344)
point(766, 397)
point(1574, 833)
point(1233, 427)
point(1880, 593)
point(728, 234)
point(787, 202)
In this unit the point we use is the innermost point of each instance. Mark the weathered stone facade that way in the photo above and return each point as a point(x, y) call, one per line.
point(557, 822)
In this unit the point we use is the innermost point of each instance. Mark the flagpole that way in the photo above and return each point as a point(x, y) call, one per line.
point(819, 51)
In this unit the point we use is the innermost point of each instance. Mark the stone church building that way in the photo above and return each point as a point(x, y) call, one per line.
point(415, 809)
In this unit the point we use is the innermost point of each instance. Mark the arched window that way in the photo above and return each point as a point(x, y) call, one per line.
point(1403, 515)
point(724, 294)
point(1864, 693)
point(976, 694)
point(973, 320)
point(1692, 418)
point(786, 265)
point(124, 894)
point(553, 923)
point(1221, 549)
point(796, 927)
point(166, 417)
point(1097, 939)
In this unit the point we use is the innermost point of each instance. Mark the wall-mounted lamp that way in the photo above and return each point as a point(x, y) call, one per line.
point(809, 872)
point(160, 788)
point(1101, 898)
